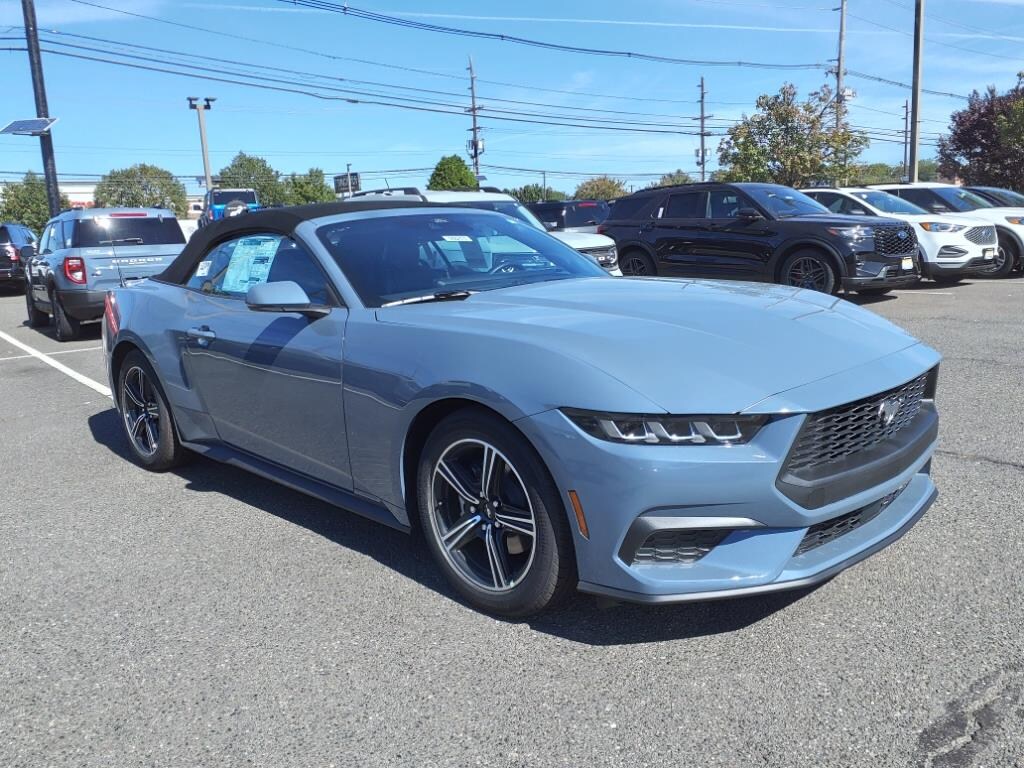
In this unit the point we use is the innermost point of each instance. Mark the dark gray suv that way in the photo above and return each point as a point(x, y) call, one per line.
point(13, 238)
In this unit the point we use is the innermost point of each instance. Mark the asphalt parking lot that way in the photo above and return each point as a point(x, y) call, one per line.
point(209, 617)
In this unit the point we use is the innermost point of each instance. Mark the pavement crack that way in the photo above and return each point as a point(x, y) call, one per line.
point(980, 457)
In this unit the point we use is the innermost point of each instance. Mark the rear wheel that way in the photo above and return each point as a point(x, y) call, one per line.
point(1007, 256)
point(493, 518)
point(636, 263)
point(36, 317)
point(145, 416)
point(66, 327)
point(809, 269)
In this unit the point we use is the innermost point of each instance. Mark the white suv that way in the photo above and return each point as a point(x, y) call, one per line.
point(596, 247)
point(948, 198)
point(953, 245)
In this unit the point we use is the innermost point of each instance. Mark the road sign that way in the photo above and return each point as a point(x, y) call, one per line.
point(341, 183)
point(37, 126)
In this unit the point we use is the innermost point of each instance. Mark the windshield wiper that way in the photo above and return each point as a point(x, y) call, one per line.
point(439, 296)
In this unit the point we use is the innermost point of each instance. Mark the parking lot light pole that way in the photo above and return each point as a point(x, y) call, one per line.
point(35, 62)
point(200, 108)
point(915, 98)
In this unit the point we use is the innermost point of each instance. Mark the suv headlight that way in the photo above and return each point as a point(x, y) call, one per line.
point(663, 429)
point(941, 226)
point(855, 234)
point(1015, 219)
point(607, 257)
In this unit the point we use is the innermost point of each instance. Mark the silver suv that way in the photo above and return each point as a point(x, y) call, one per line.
point(85, 252)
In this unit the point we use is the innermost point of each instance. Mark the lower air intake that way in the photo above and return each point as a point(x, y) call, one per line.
point(683, 546)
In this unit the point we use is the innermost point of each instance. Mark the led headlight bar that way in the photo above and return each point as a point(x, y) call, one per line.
point(663, 429)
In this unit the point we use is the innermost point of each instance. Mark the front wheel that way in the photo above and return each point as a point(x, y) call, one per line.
point(492, 516)
point(145, 416)
point(636, 263)
point(1007, 257)
point(809, 269)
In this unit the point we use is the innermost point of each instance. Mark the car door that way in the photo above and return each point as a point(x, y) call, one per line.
point(42, 264)
point(677, 231)
point(270, 381)
point(734, 247)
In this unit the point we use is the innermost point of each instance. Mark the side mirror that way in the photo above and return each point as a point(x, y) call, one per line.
point(285, 296)
point(749, 214)
point(28, 252)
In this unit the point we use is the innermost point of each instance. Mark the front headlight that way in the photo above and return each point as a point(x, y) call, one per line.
point(1015, 219)
point(663, 429)
point(856, 234)
point(607, 257)
point(941, 226)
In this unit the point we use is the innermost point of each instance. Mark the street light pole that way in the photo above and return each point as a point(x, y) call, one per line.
point(35, 63)
point(200, 108)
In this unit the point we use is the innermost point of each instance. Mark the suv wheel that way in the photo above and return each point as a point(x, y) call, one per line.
point(66, 327)
point(636, 263)
point(1006, 258)
point(145, 416)
point(809, 269)
point(36, 317)
point(493, 519)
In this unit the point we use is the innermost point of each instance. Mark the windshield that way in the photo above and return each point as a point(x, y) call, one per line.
point(961, 199)
point(390, 258)
point(225, 196)
point(142, 230)
point(1005, 196)
point(887, 203)
point(783, 202)
point(509, 208)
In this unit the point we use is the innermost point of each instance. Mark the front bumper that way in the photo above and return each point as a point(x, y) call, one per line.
point(82, 305)
point(707, 488)
point(970, 267)
point(876, 272)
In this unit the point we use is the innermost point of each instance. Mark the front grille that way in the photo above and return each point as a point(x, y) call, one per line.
point(981, 235)
point(830, 530)
point(889, 242)
point(680, 546)
point(832, 435)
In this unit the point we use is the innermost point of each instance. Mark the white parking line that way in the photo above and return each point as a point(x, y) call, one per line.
point(95, 385)
point(59, 352)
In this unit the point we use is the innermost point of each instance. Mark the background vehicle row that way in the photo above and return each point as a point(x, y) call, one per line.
point(13, 238)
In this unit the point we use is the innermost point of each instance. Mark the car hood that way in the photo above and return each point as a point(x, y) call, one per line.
point(965, 219)
point(583, 240)
point(839, 220)
point(992, 215)
point(690, 346)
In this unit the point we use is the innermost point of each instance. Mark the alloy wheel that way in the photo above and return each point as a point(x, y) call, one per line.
point(140, 411)
point(808, 272)
point(481, 515)
point(634, 266)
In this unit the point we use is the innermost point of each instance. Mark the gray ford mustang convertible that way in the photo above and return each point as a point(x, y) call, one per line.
point(545, 426)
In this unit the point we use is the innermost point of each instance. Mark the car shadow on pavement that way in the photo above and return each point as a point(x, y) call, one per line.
point(583, 619)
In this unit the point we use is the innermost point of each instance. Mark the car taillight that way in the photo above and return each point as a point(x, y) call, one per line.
point(74, 270)
point(12, 252)
point(110, 313)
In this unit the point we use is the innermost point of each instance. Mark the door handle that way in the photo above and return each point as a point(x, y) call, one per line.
point(203, 335)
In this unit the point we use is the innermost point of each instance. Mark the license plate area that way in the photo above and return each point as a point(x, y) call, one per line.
point(907, 263)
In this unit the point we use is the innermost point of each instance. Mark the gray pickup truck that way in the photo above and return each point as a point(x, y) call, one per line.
point(85, 252)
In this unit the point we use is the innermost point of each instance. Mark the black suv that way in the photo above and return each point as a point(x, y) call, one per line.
point(570, 215)
point(13, 237)
point(763, 232)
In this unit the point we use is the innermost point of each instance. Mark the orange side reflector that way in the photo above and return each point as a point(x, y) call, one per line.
point(581, 520)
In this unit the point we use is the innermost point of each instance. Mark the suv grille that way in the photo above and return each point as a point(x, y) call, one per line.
point(682, 546)
point(830, 530)
point(981, 235)
point(832, 435)
point(888, 241)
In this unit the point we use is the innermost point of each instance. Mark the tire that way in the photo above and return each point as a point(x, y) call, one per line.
point(1007, 256)
point(36, 317)
point(807, 268)
point(491, 559)
point(66, 327)
point(146, 419)
point(636, 263)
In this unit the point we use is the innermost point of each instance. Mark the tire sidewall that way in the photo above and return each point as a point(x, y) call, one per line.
point(554, 558)
point(632, 253)
point(1010, 256)
point(168, 449)
point(817, 256)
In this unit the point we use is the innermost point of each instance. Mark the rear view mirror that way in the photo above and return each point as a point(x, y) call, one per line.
point(284, 296)
point(749, 214)
point(28, 252)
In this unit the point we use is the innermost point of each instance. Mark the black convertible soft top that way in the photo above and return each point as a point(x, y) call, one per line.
point(278, 220)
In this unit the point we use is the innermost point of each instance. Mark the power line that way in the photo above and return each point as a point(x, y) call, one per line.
point(933, 41)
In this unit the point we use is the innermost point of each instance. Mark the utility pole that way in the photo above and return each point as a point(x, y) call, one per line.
point(476, 145)
point(915, 103)
point(35, 63)
point(841, 65)
point(200, 108)
point(348, 178)
point(544, 193)
point(703, 118)
point(906, 140)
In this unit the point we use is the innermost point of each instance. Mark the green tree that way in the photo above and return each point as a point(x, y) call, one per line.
point(791, 142)
point(310, 187)
point(142, 186)
point(535, 193)
point(451, 172)
point(985, 145)
point(25, 202)
point(927, 170)
point(676, 177)
point(251, 172)
point(600, 188)
point(876, 173)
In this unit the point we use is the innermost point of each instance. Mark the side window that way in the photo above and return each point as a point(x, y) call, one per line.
point(62, 235)
point(47, 246)
point(726, 204)
point(686, 205)
point(232, 268)
point(924, 198)
point(830, 200)
point(5, 236)
point(851, 207)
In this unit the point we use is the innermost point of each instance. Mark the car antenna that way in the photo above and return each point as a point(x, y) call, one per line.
point(386, 183)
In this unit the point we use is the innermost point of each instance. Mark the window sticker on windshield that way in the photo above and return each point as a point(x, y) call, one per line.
point(250, 263)
point(203, 269)
point(457, 238)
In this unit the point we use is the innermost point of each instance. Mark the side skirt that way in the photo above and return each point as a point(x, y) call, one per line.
point(299, 482)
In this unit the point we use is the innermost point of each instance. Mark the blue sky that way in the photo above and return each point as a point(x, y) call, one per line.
point(112, 116)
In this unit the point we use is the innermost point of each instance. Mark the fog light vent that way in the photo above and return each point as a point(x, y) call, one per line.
point(683, 546)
